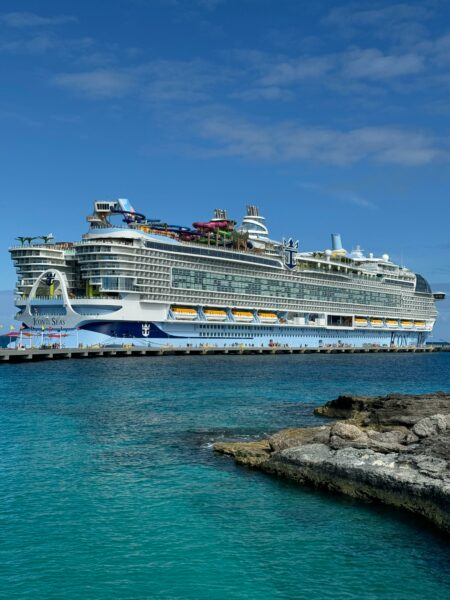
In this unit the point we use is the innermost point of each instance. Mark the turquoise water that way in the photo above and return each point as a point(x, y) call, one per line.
point(110, 489)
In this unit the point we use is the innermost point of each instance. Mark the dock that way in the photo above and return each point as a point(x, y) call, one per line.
point(38, 354)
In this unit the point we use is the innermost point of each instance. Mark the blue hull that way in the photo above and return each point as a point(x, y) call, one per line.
point(177, 333)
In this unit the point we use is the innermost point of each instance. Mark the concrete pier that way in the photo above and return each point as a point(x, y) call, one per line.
point(34, 354)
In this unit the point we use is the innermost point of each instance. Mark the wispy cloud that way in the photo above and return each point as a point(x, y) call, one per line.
point(371, 63)
point(45, 42)
point(293, 71)
point(99, 83)
point(186, 81)
point(37, 44)
point(398, 20)
point(271, 92)
point(277, 76)
point(206, 104)
point(159, 81)
point(292, 142)
point(336, 192)
point(28, 19)
point(357, 200)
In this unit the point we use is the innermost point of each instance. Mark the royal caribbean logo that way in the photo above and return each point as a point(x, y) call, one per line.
point(290, 249)
point(145, 329)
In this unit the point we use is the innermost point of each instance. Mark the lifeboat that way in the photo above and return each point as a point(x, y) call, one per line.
point(420, 324)
point(376, 322)
point(244, 316)
point(267, 317)
point(215, 314)
point(184, 313)
point(392, 323)
point(407, 324)
point(361, 322)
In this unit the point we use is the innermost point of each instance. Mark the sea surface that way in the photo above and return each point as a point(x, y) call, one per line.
point(110, 488)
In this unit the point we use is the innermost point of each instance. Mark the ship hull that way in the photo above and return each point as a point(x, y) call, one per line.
point(158, 333)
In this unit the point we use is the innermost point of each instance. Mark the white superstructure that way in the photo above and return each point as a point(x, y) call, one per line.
point(145, 281)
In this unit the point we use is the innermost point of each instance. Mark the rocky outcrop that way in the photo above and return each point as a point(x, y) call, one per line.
point(393, 409)
point(395, 449)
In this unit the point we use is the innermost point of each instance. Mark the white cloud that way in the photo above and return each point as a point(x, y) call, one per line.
point(373, 64)
point(180, 81)
point(289, 141)
point(293, 71)
point(43, 43)
point(280, 77)
point(353, 16)
point(159, 81)
point(100, 83)
point(337, 193)
point(38, 44)
point(357, 200)
point(28, 19)
point(263, 93)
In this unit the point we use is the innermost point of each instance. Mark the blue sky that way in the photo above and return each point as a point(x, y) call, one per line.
point(331, 116)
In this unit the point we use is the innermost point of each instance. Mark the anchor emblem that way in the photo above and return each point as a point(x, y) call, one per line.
point(290, 249)
point(145, 329)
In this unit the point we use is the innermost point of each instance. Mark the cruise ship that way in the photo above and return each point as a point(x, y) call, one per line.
point(137, 280)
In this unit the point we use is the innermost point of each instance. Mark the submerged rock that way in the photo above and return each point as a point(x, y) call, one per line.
point(395, 449)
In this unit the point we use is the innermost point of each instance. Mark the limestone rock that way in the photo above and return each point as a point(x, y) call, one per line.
point(393, 409)
point(343, 435)
point(429, 426)
point(286, 438)
point(347, 431)
point(396, 450)
point(251, 454)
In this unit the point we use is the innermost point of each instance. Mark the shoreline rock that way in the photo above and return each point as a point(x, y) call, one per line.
point(393, 449)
